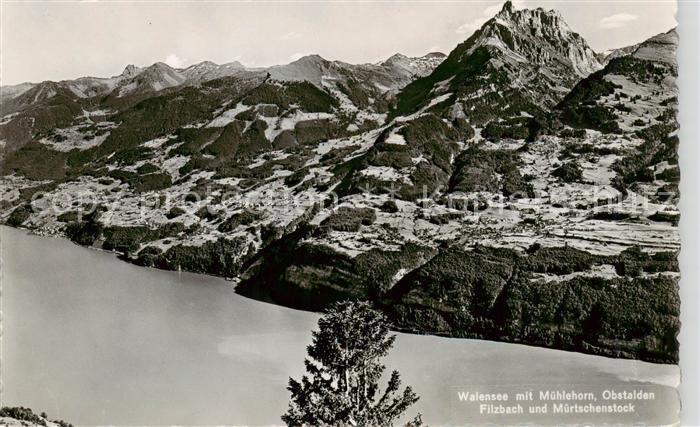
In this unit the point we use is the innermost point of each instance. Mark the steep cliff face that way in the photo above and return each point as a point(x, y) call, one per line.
point(540, 38)
point(519, 60)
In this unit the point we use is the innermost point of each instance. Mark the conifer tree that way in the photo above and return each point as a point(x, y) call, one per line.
point(341, 387)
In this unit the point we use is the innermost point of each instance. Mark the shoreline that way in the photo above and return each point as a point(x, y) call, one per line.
point(409, 331)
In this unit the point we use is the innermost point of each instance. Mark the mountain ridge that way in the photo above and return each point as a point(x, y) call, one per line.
point(193, 74)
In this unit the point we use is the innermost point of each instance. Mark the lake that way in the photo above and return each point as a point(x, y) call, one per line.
point(94, 340)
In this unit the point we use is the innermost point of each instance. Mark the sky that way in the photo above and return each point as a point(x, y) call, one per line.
point(50, 40)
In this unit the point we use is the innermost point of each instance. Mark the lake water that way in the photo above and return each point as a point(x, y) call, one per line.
point(95, 340)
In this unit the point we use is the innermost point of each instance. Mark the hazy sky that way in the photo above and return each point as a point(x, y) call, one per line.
point(44, 40)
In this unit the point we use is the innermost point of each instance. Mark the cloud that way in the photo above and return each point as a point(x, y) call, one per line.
point(486, 14)
point(292, 35)
point(617, 21)
point(175, 61)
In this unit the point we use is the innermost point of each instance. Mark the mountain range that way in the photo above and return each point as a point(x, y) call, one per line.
point(391, 74)
point(521, 188)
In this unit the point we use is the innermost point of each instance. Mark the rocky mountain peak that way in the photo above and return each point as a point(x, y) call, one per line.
point(531, 57)
point(419, 64)
point(536, 36)
point(399, 58)
point(395, 58)
point(160, 66)
point(204, 64)
point(507, 7)
point(233, 64)
point(313, 58)
point(152, 78)
point(130, 71)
